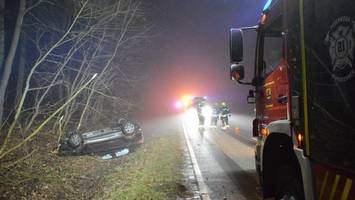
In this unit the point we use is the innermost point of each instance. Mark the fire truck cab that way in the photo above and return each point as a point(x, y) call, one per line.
point(303, 87)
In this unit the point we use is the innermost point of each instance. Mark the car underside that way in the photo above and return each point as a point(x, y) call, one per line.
point(124, 135)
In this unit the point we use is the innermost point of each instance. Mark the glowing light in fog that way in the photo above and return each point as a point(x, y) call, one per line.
point(178, 105)
point(186, 100)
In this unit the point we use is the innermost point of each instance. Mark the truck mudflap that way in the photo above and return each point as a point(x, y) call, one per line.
point(329, 29)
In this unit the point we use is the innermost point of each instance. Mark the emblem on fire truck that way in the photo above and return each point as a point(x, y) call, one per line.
point(340, 40)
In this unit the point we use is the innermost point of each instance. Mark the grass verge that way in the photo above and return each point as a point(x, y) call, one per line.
point(150, 173)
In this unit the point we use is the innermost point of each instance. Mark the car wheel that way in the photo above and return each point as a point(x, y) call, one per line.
point(75, 140)
point(289, 185)
point(129, 130)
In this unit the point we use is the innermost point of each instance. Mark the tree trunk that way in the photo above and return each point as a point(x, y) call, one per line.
point(10, 57)
point(21, 73)
point(2, 33)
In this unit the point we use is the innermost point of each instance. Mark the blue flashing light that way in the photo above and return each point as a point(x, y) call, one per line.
point(267, 5)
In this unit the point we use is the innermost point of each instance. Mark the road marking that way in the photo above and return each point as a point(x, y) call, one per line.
point(200, 183)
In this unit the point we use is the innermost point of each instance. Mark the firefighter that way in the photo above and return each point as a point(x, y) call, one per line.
point(215, 115)
point(201, 118)
point(198, 103)
point(224, 115)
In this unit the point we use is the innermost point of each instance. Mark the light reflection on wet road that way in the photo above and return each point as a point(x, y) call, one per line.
point(226, 162)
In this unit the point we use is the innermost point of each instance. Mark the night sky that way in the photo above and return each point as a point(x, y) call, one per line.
point(190, 55)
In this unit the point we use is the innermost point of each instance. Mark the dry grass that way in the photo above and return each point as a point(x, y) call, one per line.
point(150, 173)
point(45, 175)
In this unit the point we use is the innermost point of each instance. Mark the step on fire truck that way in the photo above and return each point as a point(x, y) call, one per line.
point(304, 93)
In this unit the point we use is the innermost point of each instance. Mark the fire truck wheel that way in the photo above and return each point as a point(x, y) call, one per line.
point(289, 186)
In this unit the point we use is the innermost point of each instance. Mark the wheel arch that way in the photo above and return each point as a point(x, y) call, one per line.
point(277, 152)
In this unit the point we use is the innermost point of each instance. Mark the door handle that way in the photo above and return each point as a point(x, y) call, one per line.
point(282, 99)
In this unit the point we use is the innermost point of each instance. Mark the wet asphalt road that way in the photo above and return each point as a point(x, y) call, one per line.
point(225, 158)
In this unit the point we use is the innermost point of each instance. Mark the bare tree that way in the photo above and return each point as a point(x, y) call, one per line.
point(10, 57)
point(2, 32)
point(94, 42)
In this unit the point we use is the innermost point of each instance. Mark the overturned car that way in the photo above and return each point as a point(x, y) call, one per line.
point(125, 134)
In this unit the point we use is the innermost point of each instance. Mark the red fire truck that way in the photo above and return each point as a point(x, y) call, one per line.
point(303, 87)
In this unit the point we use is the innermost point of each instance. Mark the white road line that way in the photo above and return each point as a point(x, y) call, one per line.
point(204, 191)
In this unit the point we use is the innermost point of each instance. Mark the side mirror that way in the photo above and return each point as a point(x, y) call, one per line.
point(237, 72)
point(236, 45)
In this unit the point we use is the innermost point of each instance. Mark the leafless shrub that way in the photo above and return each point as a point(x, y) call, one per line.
point(78, 65)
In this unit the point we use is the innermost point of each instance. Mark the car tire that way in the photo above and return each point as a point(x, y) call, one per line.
point(75, 141)
point(129, 130)
point(289, 185)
